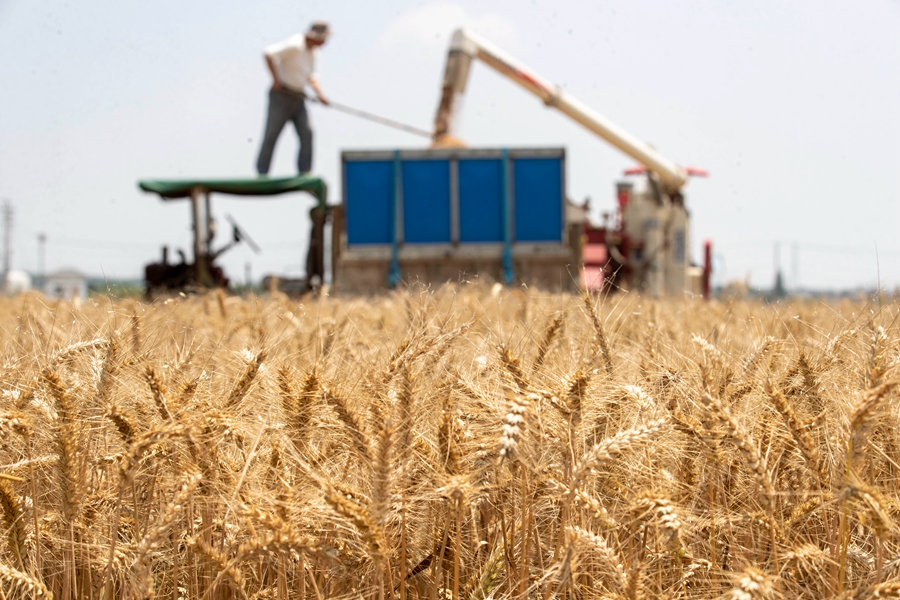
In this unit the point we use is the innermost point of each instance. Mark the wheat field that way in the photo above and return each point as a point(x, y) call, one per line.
point(466, 442)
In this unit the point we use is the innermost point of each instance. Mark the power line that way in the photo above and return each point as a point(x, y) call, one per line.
point(101, 244)
point(816, 247)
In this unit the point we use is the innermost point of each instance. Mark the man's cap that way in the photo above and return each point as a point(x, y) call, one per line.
point(319, 30)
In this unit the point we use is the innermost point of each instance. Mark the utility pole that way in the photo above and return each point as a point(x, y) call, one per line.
point(42, 259)
point(7, 217)
point(795, 266)
point(776, 257)
point(778, 287)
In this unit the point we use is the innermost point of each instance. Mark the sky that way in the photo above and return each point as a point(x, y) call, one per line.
point(793, 107)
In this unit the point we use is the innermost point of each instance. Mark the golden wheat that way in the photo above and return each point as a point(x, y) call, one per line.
point(464, 442)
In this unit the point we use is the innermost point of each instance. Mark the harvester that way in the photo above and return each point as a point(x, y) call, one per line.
point(647, 247)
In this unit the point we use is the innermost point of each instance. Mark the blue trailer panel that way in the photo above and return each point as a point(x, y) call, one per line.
point(480, 202)
point(538, 187)
point(368, 189)
point(453, 196)
point(426, 201)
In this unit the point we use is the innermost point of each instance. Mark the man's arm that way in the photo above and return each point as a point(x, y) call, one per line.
point(315, 85)
point(276, 83)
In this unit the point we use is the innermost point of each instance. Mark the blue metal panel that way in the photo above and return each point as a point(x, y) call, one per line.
point(368, 193)
point(426, 201)
point(538, 199)
point(480, 200)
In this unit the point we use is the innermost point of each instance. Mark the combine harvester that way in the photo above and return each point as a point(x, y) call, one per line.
point(432, 215)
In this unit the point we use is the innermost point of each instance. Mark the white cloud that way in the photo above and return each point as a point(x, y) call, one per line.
point(432, 25)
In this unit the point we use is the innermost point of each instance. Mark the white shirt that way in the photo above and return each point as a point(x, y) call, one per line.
point(295, 64)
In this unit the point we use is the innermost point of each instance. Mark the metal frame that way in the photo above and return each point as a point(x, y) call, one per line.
point(394, 274)
point(438, 153)
point(507, 194)
point(454, 201)
point(201, 217)
point(463, 252)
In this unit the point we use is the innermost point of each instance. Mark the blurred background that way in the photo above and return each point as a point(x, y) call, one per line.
point(792, 107)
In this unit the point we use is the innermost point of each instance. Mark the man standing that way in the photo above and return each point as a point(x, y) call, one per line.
point(293, 66)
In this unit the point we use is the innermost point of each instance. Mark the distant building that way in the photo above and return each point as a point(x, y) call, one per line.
point(66, 284)
point(17, 282)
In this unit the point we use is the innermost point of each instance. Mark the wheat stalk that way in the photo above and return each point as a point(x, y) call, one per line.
point(599, 344)
point(550, 335)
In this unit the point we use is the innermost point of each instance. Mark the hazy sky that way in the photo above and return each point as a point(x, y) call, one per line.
point(794, 107)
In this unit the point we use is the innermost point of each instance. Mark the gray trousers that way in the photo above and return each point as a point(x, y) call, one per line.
point(284, 107)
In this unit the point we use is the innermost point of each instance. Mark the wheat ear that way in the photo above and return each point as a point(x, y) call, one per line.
point(550, 335)
point(612, 447)
point(862, 415)
point(742, 439)
point(225, 567)
point(361, 518)
point(64, 354)
point(599, 345)
point(14, 522)
point(20, 581)
point(68, 443)
point(242, 385)
point(512, 370)
point(297, 407)
point(799, 432)
point(159, 393)
point(108, 372)
point(753, 584)
point(662, 512)
point(150, 541)
point(382, 473)
point(610, 556)
point(514, 425)
point(122, 423)
point(351, 423)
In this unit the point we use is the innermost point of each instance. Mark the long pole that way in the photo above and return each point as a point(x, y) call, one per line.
point(378, 119)
point(366, 115)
